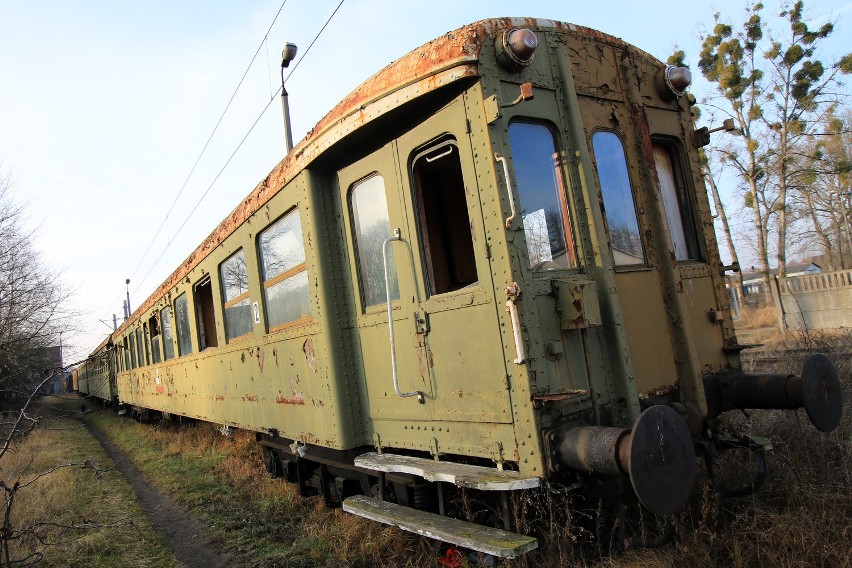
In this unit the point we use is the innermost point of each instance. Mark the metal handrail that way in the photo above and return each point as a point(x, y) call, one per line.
point(420, 395)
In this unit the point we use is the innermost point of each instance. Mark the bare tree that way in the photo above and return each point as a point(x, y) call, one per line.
point(32, 316)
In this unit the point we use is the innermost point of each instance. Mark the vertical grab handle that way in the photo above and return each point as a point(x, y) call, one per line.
point(511, 217)
point(513, 291)
point(420, 397)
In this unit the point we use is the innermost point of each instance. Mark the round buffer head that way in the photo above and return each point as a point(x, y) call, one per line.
point(821, 394)
point(662, 460)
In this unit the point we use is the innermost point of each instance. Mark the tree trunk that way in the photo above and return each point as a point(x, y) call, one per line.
point(726, 229)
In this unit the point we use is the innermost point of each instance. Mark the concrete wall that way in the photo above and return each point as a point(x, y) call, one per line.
point(818, 301)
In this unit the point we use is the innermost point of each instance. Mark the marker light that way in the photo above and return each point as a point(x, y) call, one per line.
point(516, 49)
point(678, 79)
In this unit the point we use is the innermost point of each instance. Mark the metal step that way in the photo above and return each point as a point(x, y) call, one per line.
point(496, 542)
point(461, 475)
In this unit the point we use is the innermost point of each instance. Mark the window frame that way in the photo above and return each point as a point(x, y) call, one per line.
point(431, 248)
point(236, 300)
point(187, 331)
point(563, 192)
point(292, 272)
point(644, 265)
point(684, 195)
point(167, 323)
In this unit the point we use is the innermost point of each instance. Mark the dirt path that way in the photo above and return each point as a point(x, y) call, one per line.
point(184, 535)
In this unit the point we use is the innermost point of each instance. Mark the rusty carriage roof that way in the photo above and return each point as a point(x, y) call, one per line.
point(446, 59)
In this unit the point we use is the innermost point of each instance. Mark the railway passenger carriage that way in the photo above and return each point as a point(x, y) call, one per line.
point(96, 376)
point(496, 254)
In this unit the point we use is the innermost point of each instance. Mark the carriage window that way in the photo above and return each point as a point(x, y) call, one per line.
point(547, 226)
point(140, 347)
point(130, 353)
point(284, 271)
point(168, 338)
point(154, 326)
point(676, 201)
point(444, 223)
point(371, 225)
point(618, 201)
point(182, 325)
point(205, 315)
point(234, 278)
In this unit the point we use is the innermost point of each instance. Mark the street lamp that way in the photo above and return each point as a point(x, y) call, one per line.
point(127, 305)
point(287, 55)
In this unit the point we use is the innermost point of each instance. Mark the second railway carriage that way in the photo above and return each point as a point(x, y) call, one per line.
point(96, 376)
point(491, 264)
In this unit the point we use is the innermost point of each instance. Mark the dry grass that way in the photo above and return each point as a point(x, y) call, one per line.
point(755, 318)
point(79, 518)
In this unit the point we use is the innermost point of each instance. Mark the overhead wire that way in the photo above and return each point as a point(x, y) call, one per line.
point(242, 141)
point(206, 145)
point(209, 138)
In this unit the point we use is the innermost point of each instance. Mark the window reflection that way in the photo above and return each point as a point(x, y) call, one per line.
point(285, 278)
point(618, 201)
point(168, 339)
point(371, 224)
point(234, 278)
point(182, 320)
point(547, 227)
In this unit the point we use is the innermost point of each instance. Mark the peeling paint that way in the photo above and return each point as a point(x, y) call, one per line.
point(308, 350)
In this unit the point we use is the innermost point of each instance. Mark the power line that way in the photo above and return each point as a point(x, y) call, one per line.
point(242, 141)
point(206, 144)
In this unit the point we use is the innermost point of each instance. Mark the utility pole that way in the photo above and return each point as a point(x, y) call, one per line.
point(287, 55)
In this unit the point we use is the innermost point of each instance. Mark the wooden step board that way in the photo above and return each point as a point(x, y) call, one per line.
point(496, 542)
point(467, 476)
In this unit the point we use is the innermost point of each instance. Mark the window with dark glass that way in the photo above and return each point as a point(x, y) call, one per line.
point(140, 347)
point(234, 278)
point(182, 325)
point(619, 206)
point(205, 314)
point(371, 225)
point(284, 271)
point(133, 363)
point(442, 215)
point(127, 352)
point(541, 190)
point(168, 338)
point(676, 201)
point(146, 348)
point(154, 328)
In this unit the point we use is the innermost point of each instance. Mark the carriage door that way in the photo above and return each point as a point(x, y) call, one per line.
point(381, 267)
point(610, 137)
point(459, 348)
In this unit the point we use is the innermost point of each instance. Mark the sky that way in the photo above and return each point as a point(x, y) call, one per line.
point(107, 105)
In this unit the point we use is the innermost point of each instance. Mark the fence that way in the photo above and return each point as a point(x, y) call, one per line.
point(818, 301)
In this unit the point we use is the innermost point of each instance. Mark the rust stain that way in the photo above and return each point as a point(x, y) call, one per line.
point(160, 389)
point(260, 357)
point(297, 399)
point(250, 398)
point(219, 397)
